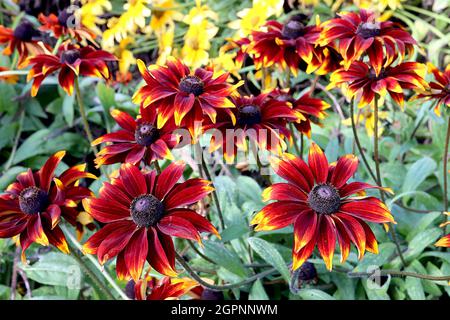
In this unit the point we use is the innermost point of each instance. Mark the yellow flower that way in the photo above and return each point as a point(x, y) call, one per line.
point(367, 116)
point(165, 45)
point(164, 14)
point(91, 10)
point(126, 57)
point(253, 18)
point(225, 62)
point(131, 20)
point(195, 51)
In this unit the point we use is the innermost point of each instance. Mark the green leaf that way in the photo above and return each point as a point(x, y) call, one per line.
point(68, 109)
point(266, 251)
point(55, 269)
point(418, 172)
point(374, 290)
point(257, 292)
point(421, 241)
point(106, 95)
point(31, 146)
point(314, 294)
point(414, 287)
point(7, 102)
point(9, 176)
point(386, 250)
point(225, 258)
point(248, 189)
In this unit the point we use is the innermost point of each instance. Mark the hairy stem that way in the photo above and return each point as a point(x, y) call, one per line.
point(197, 278)
point(445, 171)
point(378, 176)
point(87, 129)
point(214, 193)
point(78, 246)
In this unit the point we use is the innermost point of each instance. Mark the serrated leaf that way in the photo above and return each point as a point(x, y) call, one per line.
point(266, 251)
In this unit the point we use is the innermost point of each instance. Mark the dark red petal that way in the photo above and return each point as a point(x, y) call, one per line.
point(135, 253)
point(168, 178)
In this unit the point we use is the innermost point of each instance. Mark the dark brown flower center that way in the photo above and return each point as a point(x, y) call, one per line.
point(146, 134)
point(25, 31)
point(368, 29)
point(292, 29)
point(70, 56)
point(63, 16)
point(192, 84)
point(146, 210)
point(324, 199)
point(248, 115)
point(307, 271)
point(33, 200)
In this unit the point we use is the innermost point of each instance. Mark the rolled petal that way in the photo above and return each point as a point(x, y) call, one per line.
point(135, 253)
point(178, 227)
point(46, 173)
point(318, 163)
point(326, 240)
point(305, 228)
point(368, 209)
point(284, 192)
point(168, 178)
point(161, 253)
point(277, 215)
point(133, 180)
point(345, 168)
point(188, 192)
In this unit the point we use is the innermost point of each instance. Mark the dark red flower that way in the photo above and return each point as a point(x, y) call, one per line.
point(142, 211)
point(317, 200)
point(439, 90)
point(71, 61)
point(139, 140)
point(364, 84)
point(33, 206)
point(165, 288)
point(360, 33)
point(177, 93)
point(312, 109)
point(21, 39)
point(60, 26)
point(262, 119)
point(286, 45)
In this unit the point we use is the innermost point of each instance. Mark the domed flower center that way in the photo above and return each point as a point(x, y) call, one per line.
point(63, 16)
point(307, 271)
point(146, 210)
point(25, 31)
point(372, 75)
point(248, 115)
point(324, 199)
point(292, 29)
point(192, 84)
point(368, 29)
point(70, 56)
point(33, 200)
point(146, 134)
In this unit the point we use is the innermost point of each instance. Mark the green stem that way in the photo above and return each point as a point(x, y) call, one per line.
point(358, 143)
point(399, 273)
point(87, 129)
point(56, 47)
point(91, 258)
point(214, 193)
point(192, 245)
point(377, 170)
point(197, 278)
point(445, 171)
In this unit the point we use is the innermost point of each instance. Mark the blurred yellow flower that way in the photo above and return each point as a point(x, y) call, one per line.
point(252, 18)
point(195, 51)
point(132, 19)
point(225, 62)
point(367, 115)
point(126, 57)
point(91, 10)
point(164, 13)
point(165, 44)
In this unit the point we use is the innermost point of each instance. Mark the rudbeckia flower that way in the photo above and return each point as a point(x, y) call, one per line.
point(363, 82)
point(21, 38)
point(177, 93)
point(71, 61)
point(439, 89)
point(59, 25)
point(32, 206)
point(317, 200)
point(286, 45)
point(261, 119)
point(8, 79)
point(142, 211)
point(443, 242)
point(165, 288)
point(138, 140)
point(361, 33)
point(312, 109)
